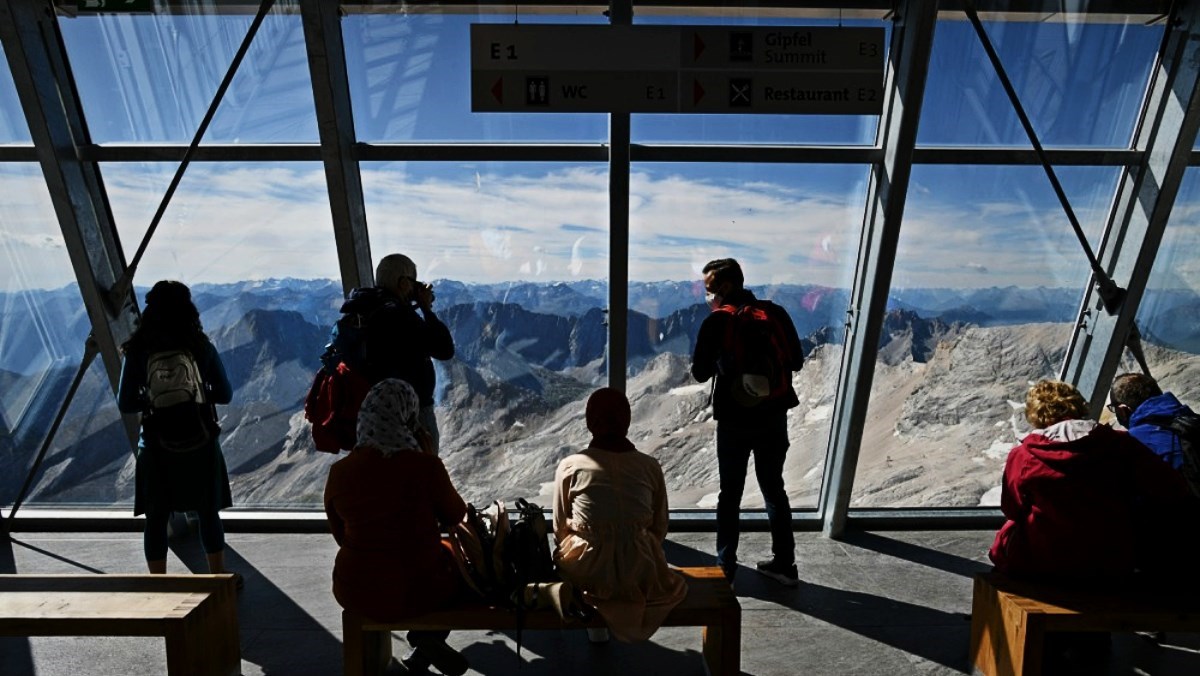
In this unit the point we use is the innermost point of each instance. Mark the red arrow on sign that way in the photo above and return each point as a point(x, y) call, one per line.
point(697, 92)
point(697, 46)
point(498, 90)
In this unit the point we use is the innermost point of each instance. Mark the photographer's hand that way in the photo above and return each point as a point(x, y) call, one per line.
point(423, 294)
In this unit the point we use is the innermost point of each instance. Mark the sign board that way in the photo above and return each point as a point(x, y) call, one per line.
point(790, 70)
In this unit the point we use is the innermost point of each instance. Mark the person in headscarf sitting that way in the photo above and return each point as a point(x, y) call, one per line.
point(387, 503)
point(610, 520)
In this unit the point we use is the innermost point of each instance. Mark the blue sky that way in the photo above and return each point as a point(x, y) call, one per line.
point(148, 79)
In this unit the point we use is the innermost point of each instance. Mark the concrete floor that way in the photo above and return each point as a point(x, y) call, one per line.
point(889, 603)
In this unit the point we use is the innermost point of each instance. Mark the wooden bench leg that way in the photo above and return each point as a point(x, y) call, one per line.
point(722, 645)
point(364, 653)
point(1004, 639)
point(206, 642)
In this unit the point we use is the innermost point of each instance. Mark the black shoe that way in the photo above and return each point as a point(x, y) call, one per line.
point(783, 573)
point(437, 653)
point(415, 662)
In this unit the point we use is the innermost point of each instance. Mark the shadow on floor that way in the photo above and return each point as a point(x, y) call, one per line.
point(15, 655)
point(924, 556)
point(904, 626)
point(277, 634)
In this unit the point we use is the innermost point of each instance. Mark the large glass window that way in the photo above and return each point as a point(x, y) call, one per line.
point(410, 80)
point(987, 282)
point(255, 244)
point(1081, 84)
point(13, 128)
point(518, 258)
point(42, 321)
point(794, 229)
point(150, 78)
point(1171, 303)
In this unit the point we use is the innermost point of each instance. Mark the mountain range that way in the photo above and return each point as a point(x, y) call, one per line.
point(510, 403)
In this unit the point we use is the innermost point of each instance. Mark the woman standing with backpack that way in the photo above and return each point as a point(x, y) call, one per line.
point(173, 376)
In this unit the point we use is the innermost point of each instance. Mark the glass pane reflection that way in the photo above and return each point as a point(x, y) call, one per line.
point(13, 128)
point(1168, 311)
point(150, 78)
point(410, 81)
point(42, 321)
point(988, 278)
point(1081, 84)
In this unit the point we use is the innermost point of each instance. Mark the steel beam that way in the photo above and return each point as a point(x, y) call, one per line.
point(908, 59)
point(1146, 193)
point(335, 122)
point(620, 13)
point(37, 58)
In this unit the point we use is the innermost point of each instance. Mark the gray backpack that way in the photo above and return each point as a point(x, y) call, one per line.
point(178, 417)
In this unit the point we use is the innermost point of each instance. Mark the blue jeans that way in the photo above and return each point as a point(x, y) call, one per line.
point(769, 443)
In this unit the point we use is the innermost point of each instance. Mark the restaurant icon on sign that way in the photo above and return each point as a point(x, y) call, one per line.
point(739, 92)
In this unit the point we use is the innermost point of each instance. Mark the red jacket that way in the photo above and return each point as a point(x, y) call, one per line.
point(387, 515)
point(1099, 505)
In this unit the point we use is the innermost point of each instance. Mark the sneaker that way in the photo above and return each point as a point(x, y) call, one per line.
point(783, 573)
point(437, 653)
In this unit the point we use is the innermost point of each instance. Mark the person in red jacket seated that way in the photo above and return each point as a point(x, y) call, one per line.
point(1084, 501)
point(387, 504)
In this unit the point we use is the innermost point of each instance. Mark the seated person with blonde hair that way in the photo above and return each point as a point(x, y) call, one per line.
point(610, 520)
point(1082, 500)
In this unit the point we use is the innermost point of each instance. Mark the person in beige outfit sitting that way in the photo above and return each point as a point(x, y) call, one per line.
point(610, 520)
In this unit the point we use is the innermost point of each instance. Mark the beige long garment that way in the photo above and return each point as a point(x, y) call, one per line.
point(610, 520)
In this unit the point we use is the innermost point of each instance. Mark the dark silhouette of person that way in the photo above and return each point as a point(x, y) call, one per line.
point(747, 427)
point(165, 481)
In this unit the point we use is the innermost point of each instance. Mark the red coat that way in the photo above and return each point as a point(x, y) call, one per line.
point(1097, 506)
point(387, 515)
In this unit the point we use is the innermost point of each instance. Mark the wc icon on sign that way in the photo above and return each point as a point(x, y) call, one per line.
point(537, 91)
point(739, 92)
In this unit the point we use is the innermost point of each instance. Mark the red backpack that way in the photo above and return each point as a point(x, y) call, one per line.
point(758, 366)
point(332, 407)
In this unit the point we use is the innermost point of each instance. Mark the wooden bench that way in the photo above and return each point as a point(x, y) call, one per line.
point(196, 614)
point(710, 603)
point(1010, 618)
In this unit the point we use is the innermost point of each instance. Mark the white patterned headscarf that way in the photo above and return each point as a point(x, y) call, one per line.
point(388, 417)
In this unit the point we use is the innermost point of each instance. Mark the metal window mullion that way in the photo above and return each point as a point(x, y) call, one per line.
point(37, 59)
point(335, 123)
point(620, 13)
point(908, 59)
point(1141, 208)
